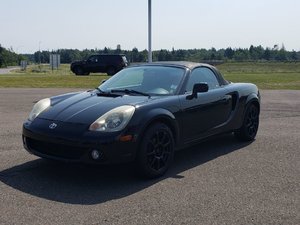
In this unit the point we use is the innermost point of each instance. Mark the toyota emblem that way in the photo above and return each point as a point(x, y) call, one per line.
point(52, 126)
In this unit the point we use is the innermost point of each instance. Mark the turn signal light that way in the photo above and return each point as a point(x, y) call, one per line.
point(126, 138)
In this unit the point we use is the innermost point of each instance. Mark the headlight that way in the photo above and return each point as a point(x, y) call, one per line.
point(39, 107)
point(114, 120)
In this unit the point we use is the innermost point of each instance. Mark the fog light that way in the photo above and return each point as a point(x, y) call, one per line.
point(95, 154)
point(24, 141)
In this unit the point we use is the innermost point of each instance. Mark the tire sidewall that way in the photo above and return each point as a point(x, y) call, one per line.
point(242, 133)
point(79, 71)
point(111, 71)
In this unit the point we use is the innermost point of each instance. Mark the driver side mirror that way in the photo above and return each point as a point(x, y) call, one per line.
point(198, 88)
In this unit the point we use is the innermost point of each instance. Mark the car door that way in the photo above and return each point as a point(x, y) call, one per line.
point(92, 64)
point(103, 62)
point(209, 110)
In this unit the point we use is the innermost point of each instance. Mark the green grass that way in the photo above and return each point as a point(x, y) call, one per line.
point(289, 81)
point(266, 75)
point(260, 67)
point(44, 77)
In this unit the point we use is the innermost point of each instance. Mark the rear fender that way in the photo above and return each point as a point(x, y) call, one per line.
point(253, 98)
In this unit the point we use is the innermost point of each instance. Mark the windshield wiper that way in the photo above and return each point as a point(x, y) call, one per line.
point(103, 93)
point(129, 91)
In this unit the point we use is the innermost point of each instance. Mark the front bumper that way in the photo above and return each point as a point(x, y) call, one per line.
point(71, 145)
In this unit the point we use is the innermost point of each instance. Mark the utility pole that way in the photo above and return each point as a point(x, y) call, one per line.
point(149, 32)
point(40, 52)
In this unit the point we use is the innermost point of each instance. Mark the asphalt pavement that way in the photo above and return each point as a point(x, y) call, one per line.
point(221, 181)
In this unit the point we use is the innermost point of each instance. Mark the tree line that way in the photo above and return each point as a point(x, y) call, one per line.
point(9, 58)
point(253, 53)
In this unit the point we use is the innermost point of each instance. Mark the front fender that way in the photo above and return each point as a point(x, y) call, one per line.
point(158, 115)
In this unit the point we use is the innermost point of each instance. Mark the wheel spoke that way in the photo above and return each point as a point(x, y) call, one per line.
point(248, 123)
point(151, 153)
point(152, 161)
point(154, 142)
point(165, 145)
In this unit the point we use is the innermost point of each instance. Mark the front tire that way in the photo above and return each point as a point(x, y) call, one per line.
point(156, 151)
point(79, 71)
point(249, 128)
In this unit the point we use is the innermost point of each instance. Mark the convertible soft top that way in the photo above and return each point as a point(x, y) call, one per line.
point(188, 65)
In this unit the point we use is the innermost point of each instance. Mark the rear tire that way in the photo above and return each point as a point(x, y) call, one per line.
point(111, 71)
point(156, 151)
point(250, 125)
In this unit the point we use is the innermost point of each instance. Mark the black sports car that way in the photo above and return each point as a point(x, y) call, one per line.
point(143, 114)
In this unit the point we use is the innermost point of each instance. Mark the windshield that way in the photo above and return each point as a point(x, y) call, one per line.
point(151, 80)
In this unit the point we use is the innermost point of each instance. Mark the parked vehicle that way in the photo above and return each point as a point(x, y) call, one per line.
point(109, 64)
point(143, 114)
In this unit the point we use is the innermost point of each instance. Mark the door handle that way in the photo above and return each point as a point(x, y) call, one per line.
point(226, 98)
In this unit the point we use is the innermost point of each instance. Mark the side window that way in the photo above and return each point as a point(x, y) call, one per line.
point(100, 58)
point(93, 59)
point(202, 75)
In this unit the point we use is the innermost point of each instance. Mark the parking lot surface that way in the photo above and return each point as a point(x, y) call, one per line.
point(221, 181)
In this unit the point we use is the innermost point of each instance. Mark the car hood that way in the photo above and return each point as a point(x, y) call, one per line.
point(86, 107)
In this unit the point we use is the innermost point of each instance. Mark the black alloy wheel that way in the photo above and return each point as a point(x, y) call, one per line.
point(157, 151)
point(111, 71)
point(249, 128)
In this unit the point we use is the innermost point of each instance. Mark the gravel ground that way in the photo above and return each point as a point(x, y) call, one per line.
point(217, 182)
point(8, 69)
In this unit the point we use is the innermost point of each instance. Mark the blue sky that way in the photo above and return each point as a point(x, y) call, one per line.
point(54, 24)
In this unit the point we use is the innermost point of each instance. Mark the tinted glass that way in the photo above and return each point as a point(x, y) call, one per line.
point(156, 80)
point(94, 59)
point(202, 75)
